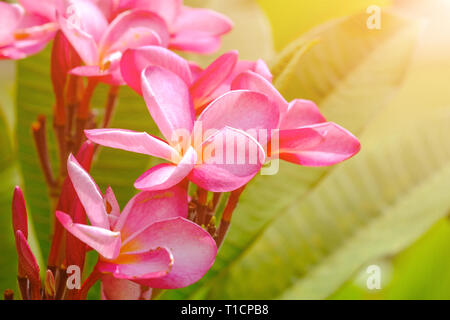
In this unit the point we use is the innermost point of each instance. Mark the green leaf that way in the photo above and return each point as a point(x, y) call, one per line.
point(368, 208)
point(351, 88)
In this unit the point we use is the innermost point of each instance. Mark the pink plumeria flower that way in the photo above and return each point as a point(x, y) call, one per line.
point(150, 243)
point(100, 44)
point(23, 32)
point(304, 137)
point(204, 151)
point(196, 30)
point(204, 85)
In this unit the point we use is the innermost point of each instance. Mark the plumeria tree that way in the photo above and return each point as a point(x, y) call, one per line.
point(213, 129)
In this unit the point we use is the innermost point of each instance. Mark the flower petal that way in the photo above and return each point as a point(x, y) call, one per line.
point(45, 8)
point(301, 113)
point(139, 142)
point(148, 207)
point(85, 15)
point(252, 81)
point(133, 29)
point(10, 16)
point(244, 110)
point(88, 193)
point(19, 213)
point(165, 176)
point(193, 250)
point(83, 43)
point(337, 145)
point(155, 263)
point(191, 42)
point(121, 289)
point(199, 30)
point(134, 61)
point(212, 77)
point(230, 159)
point(107, 243)
point(168, 100)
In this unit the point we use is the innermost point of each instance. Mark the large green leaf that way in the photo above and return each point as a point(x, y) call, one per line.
point(370, 207)
point(112, 167)
point(9, 178)
point(357, 87)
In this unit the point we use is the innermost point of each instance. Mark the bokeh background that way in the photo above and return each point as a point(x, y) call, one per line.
point(306, 233)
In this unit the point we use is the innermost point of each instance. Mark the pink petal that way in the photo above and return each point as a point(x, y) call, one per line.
point(165, 176)
point(134, 61)
point(252, 81)
point(139, 142)
point(231, 158)
point(337, 145)
point(155, 263)
point(45, 8)
point(107, 243)
point(19, 213)
point(167, 9)
point(193, 250)
point(133, 29)
point(80, 40)
point(120, 289)
point(87, 16)
point(301, 113)
point(212, 78)
point(244, 110)
point(204, 21)
point(88, 193)
point(10, 16)
point(169, 103)
point(109, 76)
point(148, 207)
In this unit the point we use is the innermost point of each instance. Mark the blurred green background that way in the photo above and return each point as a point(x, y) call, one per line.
point(306, 233)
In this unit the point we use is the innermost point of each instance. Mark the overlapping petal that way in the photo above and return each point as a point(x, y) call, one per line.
point(107, 243)
point(168, 100)
point(165, 176)
point(139, 142)
point(155, 263)
point(252, 81)
point(148, 207)
point(301, 113)
point(244, 110)
point(88, 193)
point(230, 159)
point(212, 77)
point(336, 146)
point(199, 30)
point(134, 61)
point(192, 248)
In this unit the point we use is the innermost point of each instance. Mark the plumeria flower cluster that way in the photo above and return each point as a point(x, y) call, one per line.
point(218, 126)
